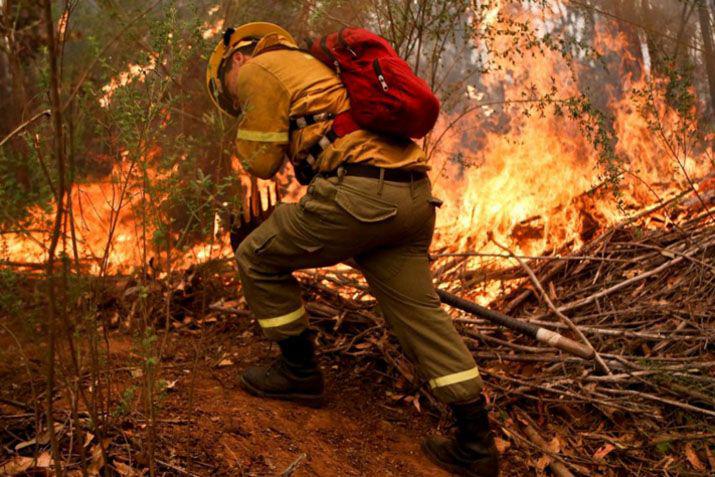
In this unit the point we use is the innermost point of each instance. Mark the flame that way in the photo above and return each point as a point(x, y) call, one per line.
point(526, 183)
point(529, 180)
point(133, 72)
point(208, 29)
point(108, 226)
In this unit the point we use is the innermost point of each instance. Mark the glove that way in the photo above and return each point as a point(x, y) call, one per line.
point(243, 224)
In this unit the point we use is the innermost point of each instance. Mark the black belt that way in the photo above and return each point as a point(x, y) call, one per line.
point(373, 172)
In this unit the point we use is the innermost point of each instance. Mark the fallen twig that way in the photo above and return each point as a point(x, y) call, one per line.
point(557, 467)
point(294, 465)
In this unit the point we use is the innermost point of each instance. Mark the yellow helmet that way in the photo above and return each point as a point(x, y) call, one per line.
point(233, 39)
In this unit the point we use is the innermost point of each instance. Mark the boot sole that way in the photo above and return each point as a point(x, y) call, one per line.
point(311, 400)
point(455, 469)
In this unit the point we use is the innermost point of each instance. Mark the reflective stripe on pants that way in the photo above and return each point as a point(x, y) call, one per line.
point(282, 320)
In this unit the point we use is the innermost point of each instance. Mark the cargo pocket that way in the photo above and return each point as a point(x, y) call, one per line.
point(263, 243)
point(316, 206)
point(309, 248)
point(318, 198)
point(364, 207)
point(276, 245)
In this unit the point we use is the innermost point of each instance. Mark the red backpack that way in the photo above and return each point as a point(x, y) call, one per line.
point(386, 96)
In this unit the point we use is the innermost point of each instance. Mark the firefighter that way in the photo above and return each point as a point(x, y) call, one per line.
point(370, 202)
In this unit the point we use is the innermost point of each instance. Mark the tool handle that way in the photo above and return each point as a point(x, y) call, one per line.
point(542, 335)
point(491, 315)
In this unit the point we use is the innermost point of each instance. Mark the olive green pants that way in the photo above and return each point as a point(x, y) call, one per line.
point(387, 228)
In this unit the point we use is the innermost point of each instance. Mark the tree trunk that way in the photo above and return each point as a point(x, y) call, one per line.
point(14, 99)
point(652, 43)
point(709, 49)
point(688, 9)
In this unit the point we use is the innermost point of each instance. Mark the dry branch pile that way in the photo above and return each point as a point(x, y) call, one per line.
point(645, 299)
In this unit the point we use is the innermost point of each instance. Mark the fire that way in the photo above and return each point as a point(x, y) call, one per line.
point(133, 72)
point(108, 227)
point(527, 182)
point(529, 187)
point(208, 29)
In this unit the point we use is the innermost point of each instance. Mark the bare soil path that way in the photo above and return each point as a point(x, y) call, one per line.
point(208, 426)
point(359, 432)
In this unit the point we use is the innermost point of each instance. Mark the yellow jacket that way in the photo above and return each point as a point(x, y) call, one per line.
point(277, 85)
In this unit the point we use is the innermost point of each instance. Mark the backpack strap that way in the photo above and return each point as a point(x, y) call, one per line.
point(329, 54)
point(343, 124)
point(308, 120)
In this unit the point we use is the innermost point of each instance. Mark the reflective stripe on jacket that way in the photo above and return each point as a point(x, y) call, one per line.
point(283, 83)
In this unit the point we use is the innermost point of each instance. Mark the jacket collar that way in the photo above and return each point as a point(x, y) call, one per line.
point(272, 41)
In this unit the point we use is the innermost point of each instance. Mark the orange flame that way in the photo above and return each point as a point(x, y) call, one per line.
point(526, 182)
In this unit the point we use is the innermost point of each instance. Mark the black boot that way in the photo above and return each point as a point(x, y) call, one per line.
point(471, 451)
point(294, 376)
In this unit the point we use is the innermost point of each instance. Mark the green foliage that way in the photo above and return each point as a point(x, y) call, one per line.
point(190, 201)
point(136, 121)
point(663, 447)
point(23, 184)
point(11, 302)
point(126, 403)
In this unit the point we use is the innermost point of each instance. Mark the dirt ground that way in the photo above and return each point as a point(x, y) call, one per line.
point(208, 426)
point(359, 432)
